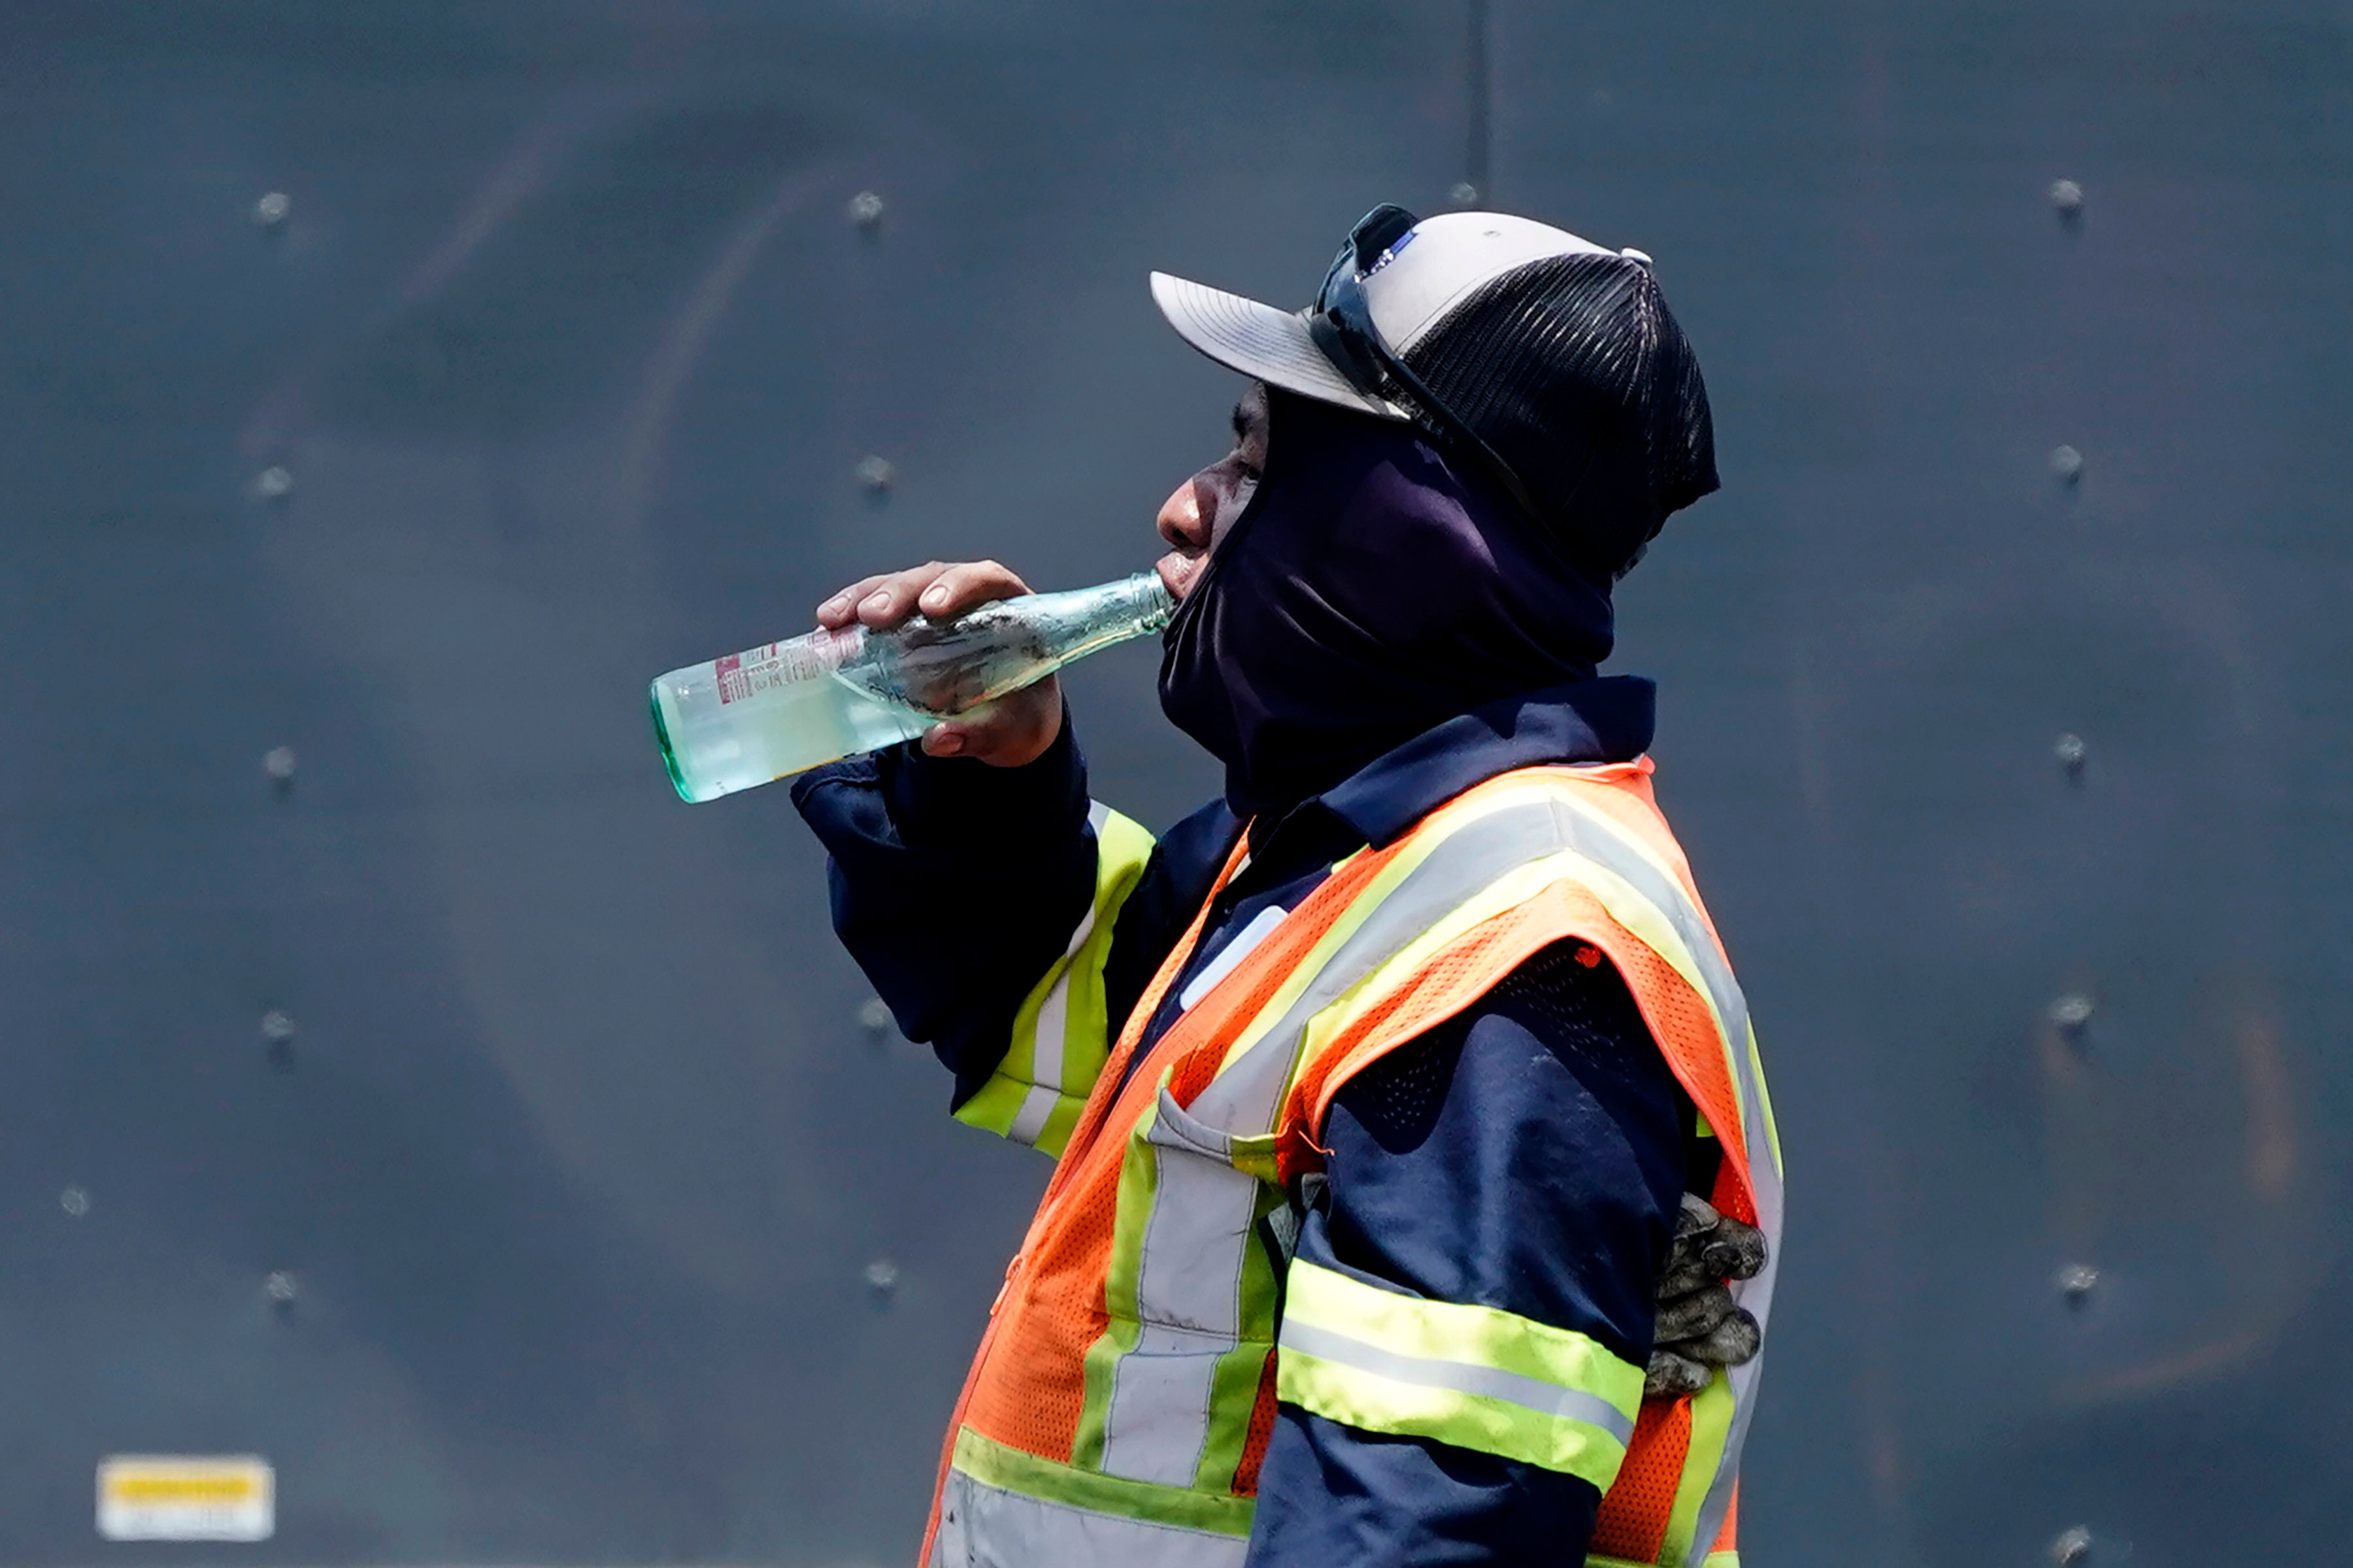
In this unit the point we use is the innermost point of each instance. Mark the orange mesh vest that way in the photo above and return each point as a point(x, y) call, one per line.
point(1122, 1398)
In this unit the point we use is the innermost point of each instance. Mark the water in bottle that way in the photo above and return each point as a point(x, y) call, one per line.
point(769, 712)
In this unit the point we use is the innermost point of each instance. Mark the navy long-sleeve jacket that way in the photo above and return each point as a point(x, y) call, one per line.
point(1526, 1155)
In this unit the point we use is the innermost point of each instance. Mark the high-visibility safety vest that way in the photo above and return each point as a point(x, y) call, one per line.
point(1124, 1393)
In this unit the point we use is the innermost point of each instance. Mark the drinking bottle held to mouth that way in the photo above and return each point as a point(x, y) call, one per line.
point(774, 710)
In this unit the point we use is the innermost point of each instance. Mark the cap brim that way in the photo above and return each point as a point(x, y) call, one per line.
point(1259, 341)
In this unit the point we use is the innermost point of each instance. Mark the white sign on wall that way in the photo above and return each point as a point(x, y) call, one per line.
point(163, 1497)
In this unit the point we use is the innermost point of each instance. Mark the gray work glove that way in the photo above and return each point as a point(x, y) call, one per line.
point(1699, 1329)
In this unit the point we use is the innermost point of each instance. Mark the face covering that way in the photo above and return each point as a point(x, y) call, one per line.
point(1369, 590)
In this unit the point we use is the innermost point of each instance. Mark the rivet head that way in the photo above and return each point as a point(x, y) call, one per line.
point(2076, 1281)
point(75, 1200)
point(2066, 197)
point(2071, 754)
point(2069, 1013)
point(882, 1278)
point(278, 763)
point(876, 473)
point(2072, 1548)
point(273, 209)
point(866, 210)
point(279, 1288)
point(2067, 463)
point(1463, 193)
point(874, 1015)
point(273, 483)
point(277, 1039)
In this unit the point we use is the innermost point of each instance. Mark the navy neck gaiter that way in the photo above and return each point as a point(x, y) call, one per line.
point(1367, 592)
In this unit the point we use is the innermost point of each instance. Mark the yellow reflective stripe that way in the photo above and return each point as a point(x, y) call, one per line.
point(1348, 1395)
point(1459, 1332)
point(1310, 964)
point(1472, 1376)
point(1711, 1424)
point(1442, 828)
point(1499, 897)
point(1651, 925)
point(1138, 1190)
point(1765, 1098)
point(1660, 932)
point(1233, 1391)
point(1624, 902)
point(997, 1464)
point(1062, 1035)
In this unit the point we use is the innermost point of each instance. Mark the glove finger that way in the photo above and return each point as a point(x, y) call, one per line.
point(1733, 1250)
point(1671, 1376)
point(1696, 1224)
point(1697, 1216)
point(1731, 1342)
point(1685, 1275)
point(1688, 1317)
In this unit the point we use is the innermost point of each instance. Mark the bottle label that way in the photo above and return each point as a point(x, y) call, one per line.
point(755, 670)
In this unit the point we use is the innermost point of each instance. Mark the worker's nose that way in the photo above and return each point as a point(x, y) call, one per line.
point(1184, 522)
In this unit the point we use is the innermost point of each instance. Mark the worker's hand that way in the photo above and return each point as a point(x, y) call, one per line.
point(1014, 728)
point(1699, 1329)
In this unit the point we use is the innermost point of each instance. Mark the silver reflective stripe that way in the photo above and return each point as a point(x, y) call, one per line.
point(1486, 1381)
point(1188, 1284)
point(1046, 1057)
point(1602, 842)
point(1189, 1274)
point(982, 1526)
point(1260, 927)
point(1157, 1420)
point(1188, 1279)
point(1246, 1094)
point(1757, 1295)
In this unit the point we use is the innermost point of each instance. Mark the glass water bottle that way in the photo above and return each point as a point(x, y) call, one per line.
point(770, 712)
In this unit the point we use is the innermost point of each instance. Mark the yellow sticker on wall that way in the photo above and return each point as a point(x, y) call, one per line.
point(163, 1497)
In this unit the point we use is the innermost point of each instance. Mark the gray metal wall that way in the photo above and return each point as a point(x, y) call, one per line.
point(577, 1155)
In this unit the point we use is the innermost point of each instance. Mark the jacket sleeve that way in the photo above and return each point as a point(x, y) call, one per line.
point(1469, 1305)
point(999, 915)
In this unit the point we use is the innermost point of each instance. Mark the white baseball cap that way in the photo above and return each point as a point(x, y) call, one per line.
point(1554, 357)
point(1411, 287)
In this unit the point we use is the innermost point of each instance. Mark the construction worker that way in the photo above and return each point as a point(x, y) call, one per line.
point(1418, 1197)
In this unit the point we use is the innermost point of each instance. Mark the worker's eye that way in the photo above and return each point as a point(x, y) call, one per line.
point(1249, 423)
point(1249, 450)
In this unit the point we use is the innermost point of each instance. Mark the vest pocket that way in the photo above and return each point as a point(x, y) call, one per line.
point(1174, 1127)
point(1180, 1384)
point(1198, 1239)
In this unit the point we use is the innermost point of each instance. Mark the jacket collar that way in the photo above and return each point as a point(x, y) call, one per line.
point(1609, 719)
